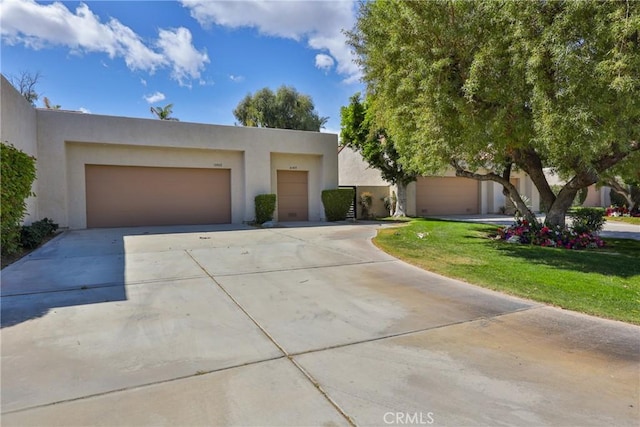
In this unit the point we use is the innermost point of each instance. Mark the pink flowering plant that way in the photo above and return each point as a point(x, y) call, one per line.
point(524, 232)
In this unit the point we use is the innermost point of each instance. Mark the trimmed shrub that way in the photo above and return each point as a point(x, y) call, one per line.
point(18, 171)
point(265, 205)
point(337, 203)
point(587, 220)
point(366, 200)
point(32, 236)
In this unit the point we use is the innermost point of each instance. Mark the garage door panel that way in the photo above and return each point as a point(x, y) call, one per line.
point(293, 196)
point(122, 196)
point(446, 196)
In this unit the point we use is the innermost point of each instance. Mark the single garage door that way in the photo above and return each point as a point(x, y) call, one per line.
point(124, 196)
point(293, 196)
point(446, 196)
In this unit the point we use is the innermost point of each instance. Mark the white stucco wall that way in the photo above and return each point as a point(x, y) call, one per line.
point(64, 142)
point(18, 127)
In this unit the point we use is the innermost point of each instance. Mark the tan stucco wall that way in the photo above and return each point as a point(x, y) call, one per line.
point(18, 127)
point(353, 170)
point(65, 141)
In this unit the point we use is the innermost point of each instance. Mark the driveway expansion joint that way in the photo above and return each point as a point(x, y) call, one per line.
point(309, 377)
point(416, 331)
point(141, 386)
point(313, 267)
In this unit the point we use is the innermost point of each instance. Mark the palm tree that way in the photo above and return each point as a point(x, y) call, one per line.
point(164, 113)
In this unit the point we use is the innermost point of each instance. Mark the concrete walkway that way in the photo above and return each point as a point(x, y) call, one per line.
point(291, 326)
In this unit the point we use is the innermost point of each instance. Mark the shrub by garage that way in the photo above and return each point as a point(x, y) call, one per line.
point(337, 203)
point(18, 171)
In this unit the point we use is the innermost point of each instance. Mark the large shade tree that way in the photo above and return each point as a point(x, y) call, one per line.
point(375, 146)
point(284, 109)
point(486, 87)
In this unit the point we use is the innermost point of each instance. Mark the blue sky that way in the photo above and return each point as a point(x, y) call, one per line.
point(122, 57)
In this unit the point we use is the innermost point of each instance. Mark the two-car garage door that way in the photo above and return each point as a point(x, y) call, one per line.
point(122, 196)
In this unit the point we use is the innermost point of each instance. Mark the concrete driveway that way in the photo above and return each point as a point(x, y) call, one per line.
point(290, 326)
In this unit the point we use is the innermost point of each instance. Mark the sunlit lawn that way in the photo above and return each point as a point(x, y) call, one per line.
point(626, 219)
point(603, 282)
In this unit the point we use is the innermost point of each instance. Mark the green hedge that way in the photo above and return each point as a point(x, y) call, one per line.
point(265, 205)
point(587, 220)
point(18, 171)
point(337, 202)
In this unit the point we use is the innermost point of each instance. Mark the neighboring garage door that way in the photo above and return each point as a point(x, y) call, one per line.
point(446, 196)
point(123, 196)
point(293, 196)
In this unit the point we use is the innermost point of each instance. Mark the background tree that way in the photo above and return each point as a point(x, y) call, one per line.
point(487, 87)
point(164, 113)
point(624, 179)
point(284, 109)
point(375, 146)
point(49, 106)
point(26, 84)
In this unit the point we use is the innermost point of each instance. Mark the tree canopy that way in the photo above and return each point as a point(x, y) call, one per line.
point(375, 146)
point(284, 109)
point(485, 87)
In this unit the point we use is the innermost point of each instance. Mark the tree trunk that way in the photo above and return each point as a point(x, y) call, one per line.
point(401, 203)
point(509, 189)
point(512, 193)
point(530, 162)
point(558, 210)
point(621, 190)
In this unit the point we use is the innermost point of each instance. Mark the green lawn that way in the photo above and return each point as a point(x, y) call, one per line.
point(628, 219)
point(603, 282)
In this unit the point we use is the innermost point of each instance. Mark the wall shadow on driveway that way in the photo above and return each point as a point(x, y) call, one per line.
point(82, 267)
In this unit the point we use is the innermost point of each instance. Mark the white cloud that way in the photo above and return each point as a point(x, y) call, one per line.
point(319, 23)
point(324, 62)
point(186, 61)
point(143, 82)
point(84, 110)
point(43, 25)
point(154, 97)
point(236, 79)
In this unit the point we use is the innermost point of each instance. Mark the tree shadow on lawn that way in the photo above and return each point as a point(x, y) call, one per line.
point(618, 258)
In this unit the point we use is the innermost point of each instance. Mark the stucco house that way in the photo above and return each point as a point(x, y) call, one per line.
point(106, 171)
point(445, 194)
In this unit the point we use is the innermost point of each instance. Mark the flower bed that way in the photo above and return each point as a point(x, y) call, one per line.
point(620, 211)
point(536, 234)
